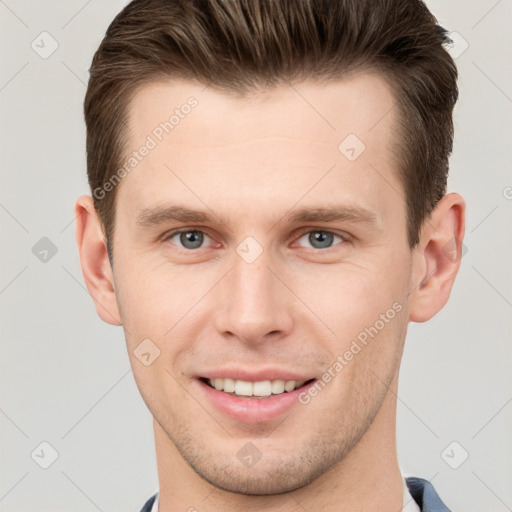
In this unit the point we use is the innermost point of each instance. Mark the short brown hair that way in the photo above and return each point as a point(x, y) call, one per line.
point(240, 46)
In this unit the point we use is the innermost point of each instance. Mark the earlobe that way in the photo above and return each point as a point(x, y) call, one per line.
point(437, 258)
point(94, 260)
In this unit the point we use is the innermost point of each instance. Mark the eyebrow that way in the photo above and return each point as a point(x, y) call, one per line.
point(149, 217)
point(160, 215)
point(351, 213)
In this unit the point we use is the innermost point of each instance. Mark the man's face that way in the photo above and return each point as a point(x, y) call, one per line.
point(249, 293)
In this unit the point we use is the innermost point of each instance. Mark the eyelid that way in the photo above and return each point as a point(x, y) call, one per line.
point(345, 237)
point(166, 237)
point(309, 229)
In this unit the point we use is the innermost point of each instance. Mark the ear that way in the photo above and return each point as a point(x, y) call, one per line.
point(94, 260)
point(437, 258)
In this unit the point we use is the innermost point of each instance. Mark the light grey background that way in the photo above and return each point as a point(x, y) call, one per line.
point(65, 375)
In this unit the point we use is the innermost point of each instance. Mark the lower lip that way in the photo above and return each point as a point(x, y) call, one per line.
point(249, 409)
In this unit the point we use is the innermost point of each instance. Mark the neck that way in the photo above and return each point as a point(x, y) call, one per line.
point(367, 479)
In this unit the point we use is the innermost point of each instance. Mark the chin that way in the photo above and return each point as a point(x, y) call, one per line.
point(259, 483)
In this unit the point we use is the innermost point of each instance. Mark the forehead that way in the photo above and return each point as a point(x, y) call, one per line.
point(362, 104)
point(265, 145)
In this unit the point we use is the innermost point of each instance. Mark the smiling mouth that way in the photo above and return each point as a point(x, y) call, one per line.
point(259, 389)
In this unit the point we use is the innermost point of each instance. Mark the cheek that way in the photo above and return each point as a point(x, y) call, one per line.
point(351, 296)
point(157, 300)
point(364, 307)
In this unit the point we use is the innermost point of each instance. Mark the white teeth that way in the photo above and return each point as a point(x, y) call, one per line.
point(260, 388)
point(229, 385)
point(263, 388)
point(289, 385)
point(243, 388)
point(277, 387)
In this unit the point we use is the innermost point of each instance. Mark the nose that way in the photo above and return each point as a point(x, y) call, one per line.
point(254, 304)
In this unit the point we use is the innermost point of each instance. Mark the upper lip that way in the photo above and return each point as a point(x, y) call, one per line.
point(255, 375)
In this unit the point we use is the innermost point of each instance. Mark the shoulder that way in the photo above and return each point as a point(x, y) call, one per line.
point(425, 495)
point(149, 504)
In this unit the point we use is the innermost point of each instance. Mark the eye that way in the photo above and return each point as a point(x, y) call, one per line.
point(189, 238)
point(320, 239)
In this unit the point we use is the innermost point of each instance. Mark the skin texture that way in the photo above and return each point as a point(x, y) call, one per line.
point(251, 163)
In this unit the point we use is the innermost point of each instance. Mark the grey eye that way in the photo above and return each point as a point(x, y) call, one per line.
point(320, 239)
point(190, 239)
